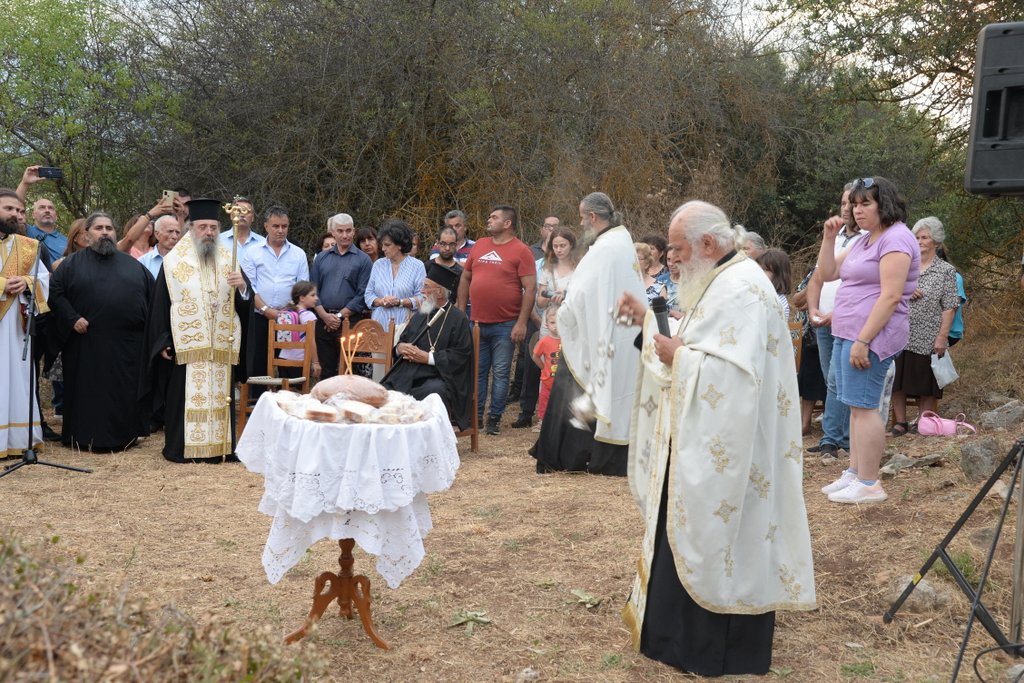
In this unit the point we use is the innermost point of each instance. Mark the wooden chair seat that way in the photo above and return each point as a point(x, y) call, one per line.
point(266, 381)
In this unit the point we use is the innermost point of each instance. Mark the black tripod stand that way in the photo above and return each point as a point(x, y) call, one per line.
point(28, 456)
point(978, 609)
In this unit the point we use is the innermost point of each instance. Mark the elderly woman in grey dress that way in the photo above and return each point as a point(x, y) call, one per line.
point(932, 307)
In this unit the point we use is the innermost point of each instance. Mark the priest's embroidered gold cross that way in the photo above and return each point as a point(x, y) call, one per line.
point(712, 396)
point(784, 401)
point(727, 337)
point(718, 455)
point(725, 511)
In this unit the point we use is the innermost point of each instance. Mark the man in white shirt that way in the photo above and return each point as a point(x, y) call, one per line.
point(167, 231)
point(246, 237)
point(273, 268)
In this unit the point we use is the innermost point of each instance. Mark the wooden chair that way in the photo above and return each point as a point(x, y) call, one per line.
point(796, 334)
point(473, 430)
point(375, 340)
point(271, 381)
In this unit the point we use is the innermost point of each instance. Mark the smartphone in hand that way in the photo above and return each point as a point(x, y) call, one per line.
point(51, 172)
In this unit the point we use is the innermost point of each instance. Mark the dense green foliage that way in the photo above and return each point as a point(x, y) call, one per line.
point(408, 108)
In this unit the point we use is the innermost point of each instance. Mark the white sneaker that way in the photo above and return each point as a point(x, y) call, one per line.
point(859, 492)
point(841, 483)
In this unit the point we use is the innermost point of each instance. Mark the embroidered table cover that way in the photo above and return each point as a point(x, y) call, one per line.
point(367, 482)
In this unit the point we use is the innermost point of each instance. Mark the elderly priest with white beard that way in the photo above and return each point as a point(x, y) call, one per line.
point(193, 339)
point(715, 463)
point(437, 358)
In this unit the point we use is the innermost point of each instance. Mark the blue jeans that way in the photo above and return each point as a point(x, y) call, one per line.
point(860, 388)
point(835, 422)
point(496, 349)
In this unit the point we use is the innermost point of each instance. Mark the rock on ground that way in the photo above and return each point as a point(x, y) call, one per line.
point(1005, 416)
point(979, 459)
point(925, 598)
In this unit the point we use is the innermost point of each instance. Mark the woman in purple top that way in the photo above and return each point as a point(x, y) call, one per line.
point(870, 321)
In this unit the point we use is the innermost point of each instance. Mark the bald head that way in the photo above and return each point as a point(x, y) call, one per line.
point(167, 232)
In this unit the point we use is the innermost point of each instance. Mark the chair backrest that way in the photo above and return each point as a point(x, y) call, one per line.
point(473, 431)
point(796, 335)
point(375, 340)
point(279, 337)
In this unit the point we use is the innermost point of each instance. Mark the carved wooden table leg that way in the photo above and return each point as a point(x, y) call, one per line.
point(348, 590)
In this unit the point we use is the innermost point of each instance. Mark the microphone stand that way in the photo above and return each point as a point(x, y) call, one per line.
point(28, 456)
point(430, 323)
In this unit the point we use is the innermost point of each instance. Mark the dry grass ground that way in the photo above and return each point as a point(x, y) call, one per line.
point(514, 545)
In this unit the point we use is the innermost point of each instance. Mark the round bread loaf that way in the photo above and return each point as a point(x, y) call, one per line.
point(351, 387)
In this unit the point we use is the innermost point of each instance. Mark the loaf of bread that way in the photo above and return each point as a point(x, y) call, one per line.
point(351, 387)
point(355, 411)
point(317, 412)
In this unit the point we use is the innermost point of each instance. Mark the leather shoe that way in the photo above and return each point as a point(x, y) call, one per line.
point(49, 434)
point(523, 421)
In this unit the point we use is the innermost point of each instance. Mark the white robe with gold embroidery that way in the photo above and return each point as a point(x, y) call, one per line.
point(17, 259)
point(207, 337)
point(729, 406)
point(600, 354)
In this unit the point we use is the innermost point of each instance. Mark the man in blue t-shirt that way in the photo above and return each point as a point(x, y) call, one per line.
point(44, 213)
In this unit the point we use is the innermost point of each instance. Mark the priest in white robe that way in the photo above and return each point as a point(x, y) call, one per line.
point(715, 463)
point(598, 354)
point(19, 268)
point(194, 336)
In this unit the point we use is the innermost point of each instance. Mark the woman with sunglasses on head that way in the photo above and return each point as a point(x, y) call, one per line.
point(870, 321)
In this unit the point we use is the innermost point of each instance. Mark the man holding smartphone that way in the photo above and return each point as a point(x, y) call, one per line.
point(44, 213)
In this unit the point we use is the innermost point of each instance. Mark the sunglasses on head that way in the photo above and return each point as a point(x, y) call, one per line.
point(866, 183)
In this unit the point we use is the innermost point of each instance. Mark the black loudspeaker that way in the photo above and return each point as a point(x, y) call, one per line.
point(995, 155)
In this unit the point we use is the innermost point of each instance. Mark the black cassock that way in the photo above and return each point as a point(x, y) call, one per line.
point(163, 383)
point(451, 375)
point(101, 367)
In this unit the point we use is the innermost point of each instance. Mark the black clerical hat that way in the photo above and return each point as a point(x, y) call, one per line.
point(446, 277)
point(203, 209)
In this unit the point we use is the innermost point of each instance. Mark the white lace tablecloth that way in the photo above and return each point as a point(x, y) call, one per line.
point(367, 482)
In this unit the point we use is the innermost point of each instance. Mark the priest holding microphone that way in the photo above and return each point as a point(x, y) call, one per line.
point(715, 462)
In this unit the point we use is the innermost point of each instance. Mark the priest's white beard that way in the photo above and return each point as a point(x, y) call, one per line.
point(692, 271)
point(428, 306)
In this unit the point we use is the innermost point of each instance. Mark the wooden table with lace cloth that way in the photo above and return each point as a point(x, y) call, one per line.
point(355, 483)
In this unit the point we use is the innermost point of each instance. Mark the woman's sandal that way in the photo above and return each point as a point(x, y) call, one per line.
point(899, 429)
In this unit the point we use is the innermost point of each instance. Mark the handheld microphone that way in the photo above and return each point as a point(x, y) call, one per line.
point(660, 308)
point(437, 316)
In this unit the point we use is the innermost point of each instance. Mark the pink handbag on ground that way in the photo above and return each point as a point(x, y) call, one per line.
point(931, 424)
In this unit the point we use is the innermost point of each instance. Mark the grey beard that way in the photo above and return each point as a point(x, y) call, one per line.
point(588, 239)
point(104, 246)
point(208, 251)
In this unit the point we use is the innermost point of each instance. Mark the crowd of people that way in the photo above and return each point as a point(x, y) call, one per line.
point(153, 331)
